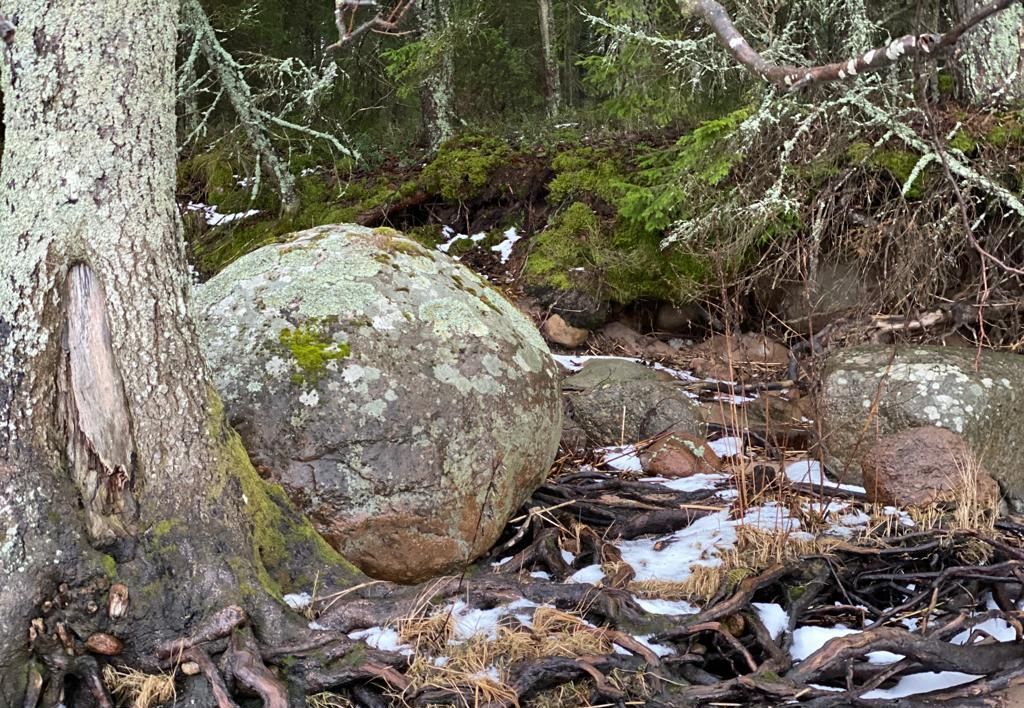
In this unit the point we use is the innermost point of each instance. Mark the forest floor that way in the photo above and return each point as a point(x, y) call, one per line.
point(762, 584)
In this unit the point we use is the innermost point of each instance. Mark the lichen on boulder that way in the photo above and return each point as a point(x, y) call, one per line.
point(403, 404)
point(870, 391)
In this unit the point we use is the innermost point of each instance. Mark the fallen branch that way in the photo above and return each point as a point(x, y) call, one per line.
point(794, 77)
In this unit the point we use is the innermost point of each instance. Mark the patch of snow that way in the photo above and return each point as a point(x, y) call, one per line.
point(807, 640)
point(727, 447)
point(540, 575)
point(591, 574)
point(317, 627)
point(773, 616)
point(996, 627)
point(810, 472)
point(449, 233)
point(567, 556)
point(383, 638)
point(623, 458)
point(913, 684)
point(658, 649)
point(697, 544)
point(215, 218)
point(298, 601)
point(667, 607)
point(693, 483)
point(505, 247)
point(471, 621)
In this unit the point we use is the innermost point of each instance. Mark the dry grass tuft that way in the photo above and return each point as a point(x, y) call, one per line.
point(140, 690)
point(478, 668)
point(328, 700)
point(568, 695)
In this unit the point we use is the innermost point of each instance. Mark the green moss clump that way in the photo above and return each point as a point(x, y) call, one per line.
point(312, 350)
point(579, 250)
point(589, 173)
point(899, 164)
point(462, 169)
point(1008, 130)
point(109, 566)
point(963, 141)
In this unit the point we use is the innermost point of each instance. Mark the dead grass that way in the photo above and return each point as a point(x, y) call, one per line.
point(137, 689)
point(328, 700)
point(478, 668)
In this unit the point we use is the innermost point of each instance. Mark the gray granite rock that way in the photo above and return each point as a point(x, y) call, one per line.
point(405, 405)
point(868, 392)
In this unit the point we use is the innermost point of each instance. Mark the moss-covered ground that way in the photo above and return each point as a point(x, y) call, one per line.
point(595, 209)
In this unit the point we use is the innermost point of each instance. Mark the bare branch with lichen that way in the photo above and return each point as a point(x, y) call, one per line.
point(793, 77)
point(345, 12)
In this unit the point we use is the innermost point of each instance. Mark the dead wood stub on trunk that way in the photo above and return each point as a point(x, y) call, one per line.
point(94, 412)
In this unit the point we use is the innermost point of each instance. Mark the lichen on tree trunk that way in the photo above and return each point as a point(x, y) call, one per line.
point(115, 462)
point(990, 58)
point(437, 91)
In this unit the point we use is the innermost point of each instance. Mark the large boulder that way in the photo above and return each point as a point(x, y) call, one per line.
point(870, 391)
point(403, 404)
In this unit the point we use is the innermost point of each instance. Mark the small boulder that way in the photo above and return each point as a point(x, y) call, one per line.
point(557, 331)
point(673, 319)
point(403, 404)
point(924, 466)
point(623, 402)
point(679, 454)
point(870, 391)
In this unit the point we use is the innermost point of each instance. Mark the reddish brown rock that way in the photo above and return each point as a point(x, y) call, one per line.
point(557, 331)
point(105, 644)
point(679, 455)
point(922, 466)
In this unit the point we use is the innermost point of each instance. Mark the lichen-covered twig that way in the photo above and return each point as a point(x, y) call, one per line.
point(229, 75)
point(793, 77)
point(345, 19)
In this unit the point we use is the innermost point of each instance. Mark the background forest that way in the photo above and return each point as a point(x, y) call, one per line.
point(652, 163)
point(649, 164)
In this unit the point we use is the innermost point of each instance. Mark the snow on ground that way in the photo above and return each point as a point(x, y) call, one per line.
point(727, 447)
point(774, 618)
point(471, 621)
point(214, 218)
point(667, 607)
point(449, 233)
point(383, 638)
point(298, 601)
point(807, 640)
point(810, 472)
point(504, 249)
point(912, 684)
point(621, 457)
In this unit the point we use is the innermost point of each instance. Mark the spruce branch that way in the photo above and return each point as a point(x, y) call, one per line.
point(793, 77)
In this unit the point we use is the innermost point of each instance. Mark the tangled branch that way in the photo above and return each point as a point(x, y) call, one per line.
point(794, 77)
point(345, 19)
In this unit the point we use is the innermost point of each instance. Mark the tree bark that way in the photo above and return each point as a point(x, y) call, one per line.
point(438, 89)
point(115, 463)
point(552, 82)
point(990, 58)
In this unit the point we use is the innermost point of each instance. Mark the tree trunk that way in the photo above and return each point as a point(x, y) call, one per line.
point(438, 89)
point(990, 58)
point(115, 464)
point(552, 83)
